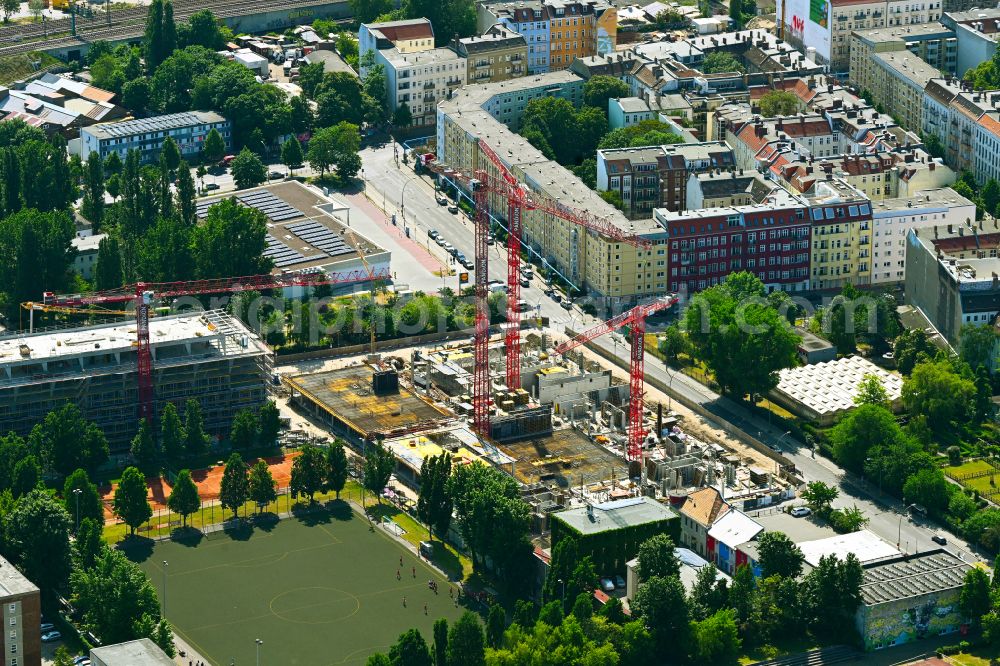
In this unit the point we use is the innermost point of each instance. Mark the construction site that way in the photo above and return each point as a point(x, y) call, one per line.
point(209, 356)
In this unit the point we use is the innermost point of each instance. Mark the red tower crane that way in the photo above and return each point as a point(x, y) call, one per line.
point(142, 294)
point(636, 318)
point(519, 199)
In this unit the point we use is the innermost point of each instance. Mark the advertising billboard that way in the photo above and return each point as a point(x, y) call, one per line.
point(807, 23)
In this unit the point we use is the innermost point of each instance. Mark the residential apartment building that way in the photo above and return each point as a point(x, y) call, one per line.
point(827, 27)
point(409, 36)
point(879, 175)
point(841, 235)
point(770, 240)
point(701, 510)
point(496, 55)
point(931, 42)
point(951, 275)
point(20, 641)
point(892, 220)
point(147, 135)
point(964, 120)
point(529, 19)
point(629, 111)
point(976, 31)
point(657, 176)
point(719, 189)
point(897, 82)
point(416, 74)
point(561, 30)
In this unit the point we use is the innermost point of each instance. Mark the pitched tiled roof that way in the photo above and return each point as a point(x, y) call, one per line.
point(704, 506)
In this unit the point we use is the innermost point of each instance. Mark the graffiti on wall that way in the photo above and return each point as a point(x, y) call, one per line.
point(907, 620)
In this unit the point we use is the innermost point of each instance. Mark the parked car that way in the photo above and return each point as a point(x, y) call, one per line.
point(275, 174)
point(452, 208)
point(82, 660)
point(433, 234)
point(51, 637)
point(448, 247)
point(441, 199)
point(453, 251)
point(800, 511)
point(607, 585)
point(440, 240)
point(567, 304)
point(212, 186)
point(46, 626)
point(619, 582)
point(427, 549)
point(468, 264)
point(556, 297)
point(939, 539)
point(490, 240)
point(525, 282)
point(461, 257)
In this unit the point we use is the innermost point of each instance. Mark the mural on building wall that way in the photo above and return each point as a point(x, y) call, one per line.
point(907, 620)
point(607, 32)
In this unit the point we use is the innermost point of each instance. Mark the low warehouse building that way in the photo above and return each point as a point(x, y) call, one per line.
point(823, 392)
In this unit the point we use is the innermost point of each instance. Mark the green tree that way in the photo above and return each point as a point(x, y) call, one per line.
point(235, 487)
point(565, 558)
point(202, 29)
point(336, 467)
point(86, 503)
point(366, 11)
point(270, 423)
point(378, 659)
point(245, 429)
point(661, 604)
point(410, 649)
point(863, 428)
point(466, 642)
point(673, 343)
point(186, 194)
point(230, 242)
point(248, 170)
point(831, 595)
point(871, 391)
point(184, 499)
point(195, 439)
point(215, 147)
point(779, 556)
point(598, 90)
point(379, 464)
point(928, 488)
point(741, 594)
point(912, 347)
point(974, 600)
point(740, 336)
point(130, 503)
point(62, 656)
point(819, 496)
point(171, 433)
point(978, 346)
point(449, 17)
point(719, 62)
point(778, 103)
point(496, 624)
point(163, 636)
point(27, 474)
point(440, 649)
point(434, 505)
point(144, 450)
point(658, 557)
point(402, 116)
point(92, 205)
point(309, 472)
point(708, 594)
point(990, 196)
point(715, 640)
point(263, 489)
point(171, 154)
point(36, 540)
point(291, 154)
point(945, 397)
point(301, 119)
point(153, 43)
point(108, 272)
point(112, 596)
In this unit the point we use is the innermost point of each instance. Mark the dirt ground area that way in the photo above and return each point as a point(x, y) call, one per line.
point(207, 480)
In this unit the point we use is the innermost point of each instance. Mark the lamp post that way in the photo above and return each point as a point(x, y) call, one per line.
point(899, 527)
point(76, 494)
point(563, 583)
point(402, 200)
point(163, 605)
point(259, 643)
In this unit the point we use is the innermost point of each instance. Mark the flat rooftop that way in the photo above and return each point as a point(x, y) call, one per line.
point(904, 33)
point(864, 544)
point(463, 445)
point(303, 232)
point(566, 457)
point(142, 652)
point(347, 395)
point(13, 582)
point(163, 123)
point(942, 198)
point(615, 515)
point(908, 66)
point(108, 339)
point(911, 576)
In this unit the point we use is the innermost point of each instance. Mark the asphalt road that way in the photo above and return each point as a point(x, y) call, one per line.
point(415, 196)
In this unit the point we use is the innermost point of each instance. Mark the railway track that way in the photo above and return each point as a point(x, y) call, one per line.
point(124, 24)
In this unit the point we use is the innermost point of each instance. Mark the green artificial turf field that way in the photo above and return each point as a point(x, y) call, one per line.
point(318, 590)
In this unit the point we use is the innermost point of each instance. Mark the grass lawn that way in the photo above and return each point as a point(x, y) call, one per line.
point(793, 643)
point(977, 657)
point(454, 564)
point(15, 67)
point(982, 483)
point(318, 589)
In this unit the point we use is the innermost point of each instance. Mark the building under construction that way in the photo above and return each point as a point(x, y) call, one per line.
point(209, 356)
